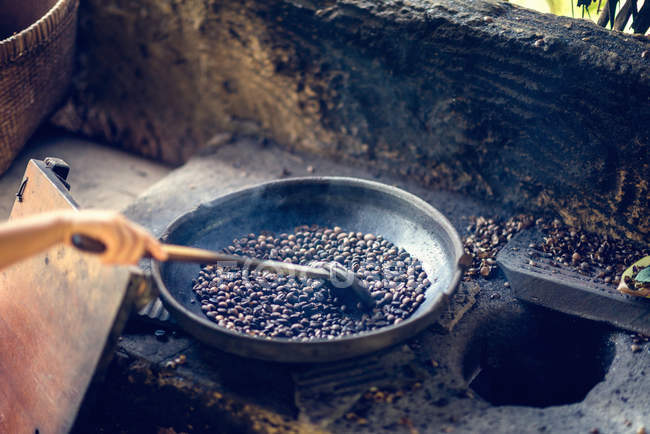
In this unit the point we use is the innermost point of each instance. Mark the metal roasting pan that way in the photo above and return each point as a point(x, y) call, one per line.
point(280, 206)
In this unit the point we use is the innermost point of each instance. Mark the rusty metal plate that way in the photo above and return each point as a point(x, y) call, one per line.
point(57, 313)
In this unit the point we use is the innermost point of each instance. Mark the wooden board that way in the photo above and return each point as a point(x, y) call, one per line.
point(57, 311)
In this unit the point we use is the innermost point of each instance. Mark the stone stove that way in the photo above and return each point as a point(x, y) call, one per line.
point(490, 364)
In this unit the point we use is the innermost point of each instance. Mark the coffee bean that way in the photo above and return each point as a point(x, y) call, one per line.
point(559, 246)
point(266, 304)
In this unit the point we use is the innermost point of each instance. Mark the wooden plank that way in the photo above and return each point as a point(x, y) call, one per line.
point(57, 310)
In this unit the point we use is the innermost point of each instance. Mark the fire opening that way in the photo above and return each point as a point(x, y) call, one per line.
point(538, 359)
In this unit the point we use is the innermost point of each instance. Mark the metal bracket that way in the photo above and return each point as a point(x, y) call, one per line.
point(21, 189)
point(60, 168)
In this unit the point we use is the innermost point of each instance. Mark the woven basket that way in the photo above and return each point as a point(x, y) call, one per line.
point(35, 70)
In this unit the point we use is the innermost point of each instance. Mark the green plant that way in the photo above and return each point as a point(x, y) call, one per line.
point(629, 15)
point(618, 21)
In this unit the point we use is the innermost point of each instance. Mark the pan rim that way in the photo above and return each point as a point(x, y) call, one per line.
point(179, 311)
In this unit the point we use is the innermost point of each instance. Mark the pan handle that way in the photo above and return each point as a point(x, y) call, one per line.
point(142, 288)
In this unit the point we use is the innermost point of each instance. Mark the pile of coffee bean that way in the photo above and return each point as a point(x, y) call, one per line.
point(486, 237)
point(589, 254)
point(270, 305)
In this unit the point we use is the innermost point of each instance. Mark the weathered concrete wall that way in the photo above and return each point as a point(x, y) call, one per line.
point(483, 97)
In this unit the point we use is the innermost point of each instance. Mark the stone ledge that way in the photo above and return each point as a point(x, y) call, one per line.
point(488, 98)
point(216, 392)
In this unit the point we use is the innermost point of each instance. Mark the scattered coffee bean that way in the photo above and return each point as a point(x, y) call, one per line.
point(486, 237)
point(590, 254)
point(593, 255)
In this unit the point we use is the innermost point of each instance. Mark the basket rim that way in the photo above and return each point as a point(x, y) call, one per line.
point(38, 33)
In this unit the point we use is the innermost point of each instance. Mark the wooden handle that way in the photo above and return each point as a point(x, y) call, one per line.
point(87, 244)
point(192, 254)
point(175, 253)
point(201, 256)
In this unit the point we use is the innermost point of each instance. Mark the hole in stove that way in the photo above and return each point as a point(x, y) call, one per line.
point(537, 358)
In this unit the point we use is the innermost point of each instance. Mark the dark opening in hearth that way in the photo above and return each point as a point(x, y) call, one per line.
point(539, 358)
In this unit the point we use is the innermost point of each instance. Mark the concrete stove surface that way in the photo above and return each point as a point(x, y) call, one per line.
point(100, 176)
point(491, 364)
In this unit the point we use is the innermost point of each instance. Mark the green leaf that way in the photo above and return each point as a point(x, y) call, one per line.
point(643, 276)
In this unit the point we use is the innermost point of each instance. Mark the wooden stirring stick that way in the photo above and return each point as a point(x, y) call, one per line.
point(333, 272)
